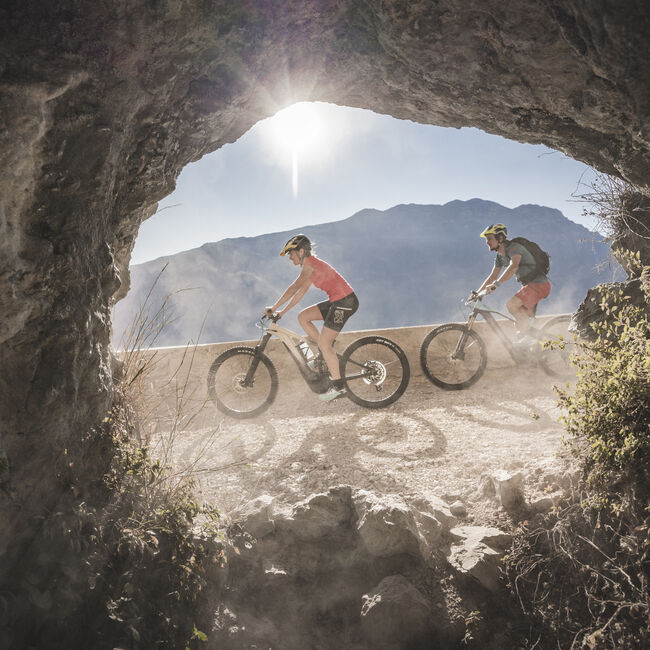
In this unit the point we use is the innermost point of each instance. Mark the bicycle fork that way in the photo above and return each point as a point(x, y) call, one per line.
point(259, 349)
point(459, 352)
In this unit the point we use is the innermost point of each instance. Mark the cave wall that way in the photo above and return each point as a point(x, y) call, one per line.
point(103, 103)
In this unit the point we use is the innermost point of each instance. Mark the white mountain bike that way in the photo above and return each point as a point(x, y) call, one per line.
point(243, 381)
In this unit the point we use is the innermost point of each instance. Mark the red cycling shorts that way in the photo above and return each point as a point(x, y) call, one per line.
point(531, 294)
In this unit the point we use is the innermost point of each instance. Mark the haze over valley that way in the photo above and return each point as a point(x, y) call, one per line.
point(409, 265)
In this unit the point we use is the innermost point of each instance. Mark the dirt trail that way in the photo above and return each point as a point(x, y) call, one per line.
point(429, 443)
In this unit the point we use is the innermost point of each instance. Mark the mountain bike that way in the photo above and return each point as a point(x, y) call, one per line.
point(243, 381)
point(454, 356)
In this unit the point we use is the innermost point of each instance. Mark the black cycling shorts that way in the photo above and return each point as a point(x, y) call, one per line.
point(335, 314)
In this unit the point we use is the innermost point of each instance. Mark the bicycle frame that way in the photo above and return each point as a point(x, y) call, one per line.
point(291, 341)
point(318, 382)
point(487, 314)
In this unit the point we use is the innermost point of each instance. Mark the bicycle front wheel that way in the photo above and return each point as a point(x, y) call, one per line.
point(453, 357)
point(555, 358)
point(375, 371)
point(242, 382)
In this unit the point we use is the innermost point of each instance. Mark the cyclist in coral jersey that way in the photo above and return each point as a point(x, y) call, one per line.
point(341, 304)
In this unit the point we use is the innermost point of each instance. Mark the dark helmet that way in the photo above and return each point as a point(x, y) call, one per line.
point(495, 229)
point(297, 241)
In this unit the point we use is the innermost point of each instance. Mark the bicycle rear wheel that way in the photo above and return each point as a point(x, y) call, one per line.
point(453, 357)
point(375, 371)
point(229, 389)
point(556, 360)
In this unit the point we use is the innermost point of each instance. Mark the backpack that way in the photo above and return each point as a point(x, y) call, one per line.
point(541, 257)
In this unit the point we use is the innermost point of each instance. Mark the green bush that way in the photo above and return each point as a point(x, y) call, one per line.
point(608, 413)
point(128, 560)
point(581, 573)
point(155, 562)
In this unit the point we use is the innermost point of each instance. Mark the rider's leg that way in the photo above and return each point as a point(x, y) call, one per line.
point(520, 313)
point(325, 343)
point(306, 319)
point(523, 304)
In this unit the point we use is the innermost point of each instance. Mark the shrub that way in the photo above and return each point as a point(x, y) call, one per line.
point(582, 572)
point(608, 413)
point(155, 562)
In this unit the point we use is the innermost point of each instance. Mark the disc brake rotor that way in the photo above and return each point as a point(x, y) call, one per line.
point(375, 373)
point(238, 383)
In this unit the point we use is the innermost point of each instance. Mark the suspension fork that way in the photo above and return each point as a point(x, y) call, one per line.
point(259, 350)
point(459, 352)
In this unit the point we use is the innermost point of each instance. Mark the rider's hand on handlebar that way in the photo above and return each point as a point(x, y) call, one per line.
point(490, 288)
point(472, 296)
point(269, 313)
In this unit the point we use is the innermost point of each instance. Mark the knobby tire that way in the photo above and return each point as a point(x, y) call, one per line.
point(441, 368)
point(384, 368)
point(225, 386)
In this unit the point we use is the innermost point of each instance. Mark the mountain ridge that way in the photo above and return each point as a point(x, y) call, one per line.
point(409, 264)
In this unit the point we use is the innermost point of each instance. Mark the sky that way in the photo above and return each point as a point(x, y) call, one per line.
point(315, 162)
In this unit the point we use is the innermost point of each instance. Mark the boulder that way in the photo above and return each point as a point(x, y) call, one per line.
point(395, 614)
point(477, 552)
point(546, 502)
point(318, 516)
point(256, 516)
point(388, 526)
point(508, 488)
point(458, 509)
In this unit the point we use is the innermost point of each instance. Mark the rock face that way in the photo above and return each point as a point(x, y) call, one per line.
point(351, 569)
point(102, 104)
point(630, 234)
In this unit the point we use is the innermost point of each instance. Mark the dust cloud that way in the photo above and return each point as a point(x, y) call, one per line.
point(429, 443)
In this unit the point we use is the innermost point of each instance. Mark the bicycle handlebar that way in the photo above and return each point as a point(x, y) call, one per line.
point(273, 318)
point(476, 295)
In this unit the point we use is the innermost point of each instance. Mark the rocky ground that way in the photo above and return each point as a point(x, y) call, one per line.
point(359, 529)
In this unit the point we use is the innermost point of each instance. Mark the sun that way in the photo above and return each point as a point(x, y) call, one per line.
point(298, 128)
point(298, 135)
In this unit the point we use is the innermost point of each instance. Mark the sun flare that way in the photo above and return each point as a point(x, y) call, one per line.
point(298, 128)
point(298, 135)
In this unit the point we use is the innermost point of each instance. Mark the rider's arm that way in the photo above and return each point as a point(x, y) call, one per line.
point(297, 297)
point(512, 268)
point(490, 278)
point(295, 291)
point(490, 282)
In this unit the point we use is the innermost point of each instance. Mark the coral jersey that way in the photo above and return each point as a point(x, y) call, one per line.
point(325, 277)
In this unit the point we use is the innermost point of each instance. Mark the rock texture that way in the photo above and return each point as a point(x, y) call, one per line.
point(102, 104)
point(347, 568)
point(351, 569)
point(629, 233)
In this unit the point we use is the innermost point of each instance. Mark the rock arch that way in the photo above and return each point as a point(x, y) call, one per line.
point(102, 104)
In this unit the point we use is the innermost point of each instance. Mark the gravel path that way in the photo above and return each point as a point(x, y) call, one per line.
point(429, 443)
